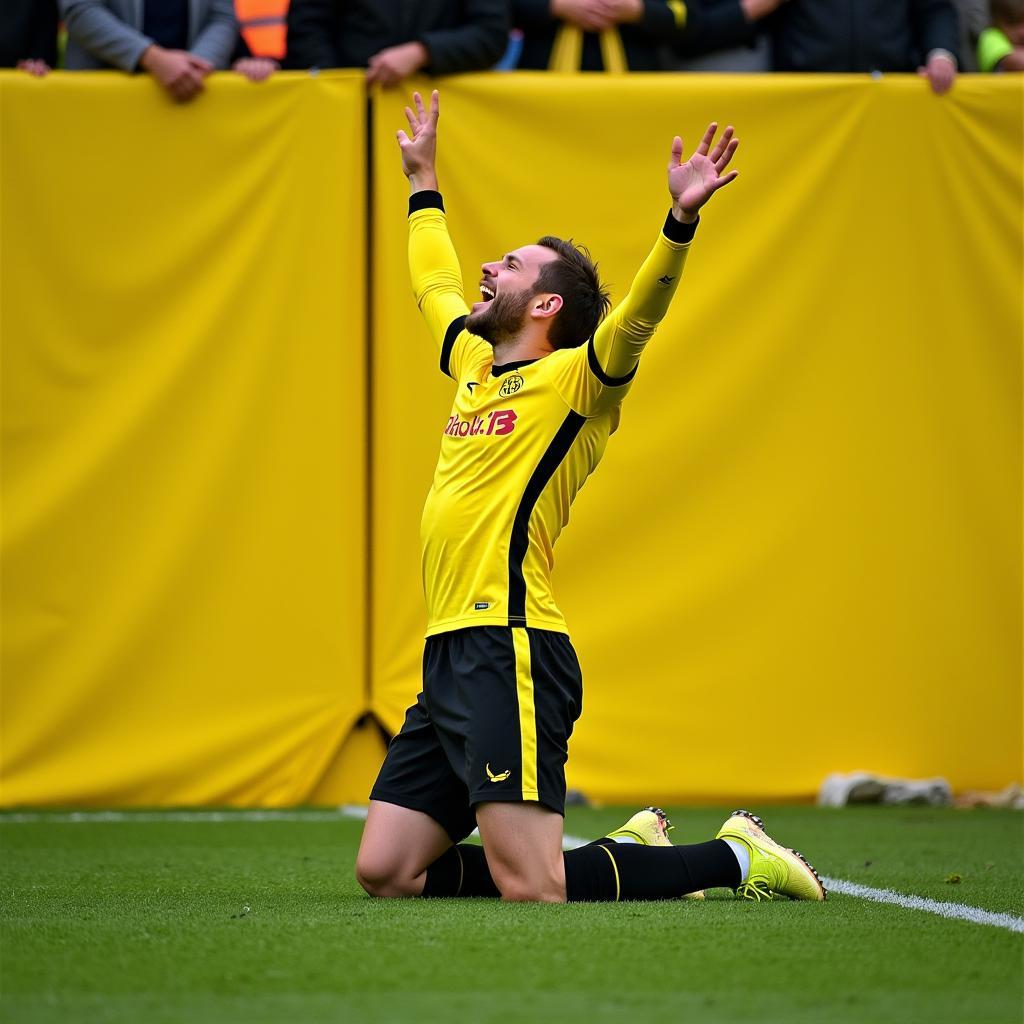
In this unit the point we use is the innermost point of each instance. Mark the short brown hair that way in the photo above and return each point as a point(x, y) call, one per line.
point(585, 302)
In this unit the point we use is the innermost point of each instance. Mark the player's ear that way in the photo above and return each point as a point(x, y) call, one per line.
point(545, 305)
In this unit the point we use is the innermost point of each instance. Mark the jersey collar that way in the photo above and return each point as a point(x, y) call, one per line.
point(497, 371)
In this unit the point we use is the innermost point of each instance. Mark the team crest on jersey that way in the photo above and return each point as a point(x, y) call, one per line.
point(510, 385)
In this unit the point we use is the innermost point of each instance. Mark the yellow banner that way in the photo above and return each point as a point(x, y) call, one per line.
point(802, 551)
point(184, 429)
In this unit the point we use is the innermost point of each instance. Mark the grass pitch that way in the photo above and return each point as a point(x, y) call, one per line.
point(160, 921)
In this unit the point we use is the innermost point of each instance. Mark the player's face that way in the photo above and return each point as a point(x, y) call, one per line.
point(506, 290)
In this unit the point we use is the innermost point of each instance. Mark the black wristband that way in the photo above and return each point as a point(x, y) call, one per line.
point(427, 199)
point(676, 231)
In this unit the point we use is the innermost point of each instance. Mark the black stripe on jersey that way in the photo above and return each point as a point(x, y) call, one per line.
point(598, 372)
point(520, 540)
point(454, 330)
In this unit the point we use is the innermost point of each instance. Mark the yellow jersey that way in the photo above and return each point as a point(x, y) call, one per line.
point(521, 438)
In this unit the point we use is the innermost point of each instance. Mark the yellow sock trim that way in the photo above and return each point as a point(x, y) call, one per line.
point(615, 868)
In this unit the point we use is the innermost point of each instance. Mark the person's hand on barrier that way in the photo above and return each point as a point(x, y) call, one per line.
point(419, 146)
point(396, 63)
point(621, 12)
point(1013, 61)
point(589, 15)
point(36, 68)
point(755, 10)
point(940, 71)
point(179, 72)
point(693, 183)
point(255, 69)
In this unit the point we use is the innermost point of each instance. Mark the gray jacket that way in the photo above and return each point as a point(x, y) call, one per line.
point(108, 33)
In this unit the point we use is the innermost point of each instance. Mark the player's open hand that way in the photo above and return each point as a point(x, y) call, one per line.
point(694, 182)
point(420, 144)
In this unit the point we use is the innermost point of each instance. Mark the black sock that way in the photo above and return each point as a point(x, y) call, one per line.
point(460, 871)
point(626, 871)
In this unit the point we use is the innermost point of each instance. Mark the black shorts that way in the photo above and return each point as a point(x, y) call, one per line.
point(492, 723)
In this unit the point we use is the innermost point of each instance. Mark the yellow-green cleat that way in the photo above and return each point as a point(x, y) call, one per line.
point(774, 870)
point(650, 827)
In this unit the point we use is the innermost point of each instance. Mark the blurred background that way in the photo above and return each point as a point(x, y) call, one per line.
point(221, 410)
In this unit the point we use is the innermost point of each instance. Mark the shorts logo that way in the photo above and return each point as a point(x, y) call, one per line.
point(481, 606)
point(501, 777)
point(511, 385)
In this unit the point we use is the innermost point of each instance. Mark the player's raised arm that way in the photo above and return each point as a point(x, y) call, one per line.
point(622, 336)
point(433, 265)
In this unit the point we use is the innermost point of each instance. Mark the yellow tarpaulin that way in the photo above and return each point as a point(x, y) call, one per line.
point(804, 540)
point(184, 423)
point(801, 553)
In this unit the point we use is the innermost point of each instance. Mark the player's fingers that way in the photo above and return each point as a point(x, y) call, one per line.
point(420, 109)
point(677, 153)
point(709, 135)
point(719, 150)
point(724, 180)
point(435, 107)
point(403, 139)
point(411, 118)
point(723, 161)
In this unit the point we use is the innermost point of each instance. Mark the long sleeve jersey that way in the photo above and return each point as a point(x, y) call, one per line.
point(522, 437)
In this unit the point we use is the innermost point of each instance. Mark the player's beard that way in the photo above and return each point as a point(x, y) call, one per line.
point(501, 320)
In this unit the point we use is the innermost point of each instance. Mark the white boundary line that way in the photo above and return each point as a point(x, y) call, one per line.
point(952, 911)
point(955, 911)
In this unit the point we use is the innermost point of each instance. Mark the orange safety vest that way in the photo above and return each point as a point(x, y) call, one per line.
point(263, 24)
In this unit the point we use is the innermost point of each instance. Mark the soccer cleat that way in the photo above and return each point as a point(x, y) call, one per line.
point(774, 870)
point(650, 827)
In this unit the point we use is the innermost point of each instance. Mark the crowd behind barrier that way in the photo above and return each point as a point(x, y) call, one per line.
point(181, 42)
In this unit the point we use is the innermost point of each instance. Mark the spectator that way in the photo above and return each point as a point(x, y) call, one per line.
point(867, 35)
point(726, 36)
point(28, 36)
point(262, 38)
point(974, 18)
point(1001, 47)
point(620, 35)
point(178, 42)
point(394, 39)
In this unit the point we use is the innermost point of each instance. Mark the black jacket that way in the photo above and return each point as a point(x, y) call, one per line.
point(461, 35)
point(28, 31)
point(861, 35)
point(708, 26)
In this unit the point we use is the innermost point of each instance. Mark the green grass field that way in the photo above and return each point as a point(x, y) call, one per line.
point(240, 920)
